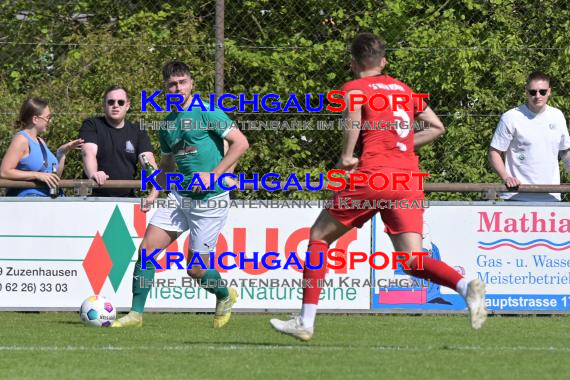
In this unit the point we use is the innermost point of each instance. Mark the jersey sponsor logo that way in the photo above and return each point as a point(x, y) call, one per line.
point(182, 148)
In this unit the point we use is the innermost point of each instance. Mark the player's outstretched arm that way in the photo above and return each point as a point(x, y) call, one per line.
point(435, 130)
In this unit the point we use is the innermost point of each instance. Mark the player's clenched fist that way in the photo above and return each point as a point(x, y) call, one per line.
point(347, 163)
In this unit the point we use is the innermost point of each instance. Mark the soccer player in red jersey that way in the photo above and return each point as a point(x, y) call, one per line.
point(383, 150)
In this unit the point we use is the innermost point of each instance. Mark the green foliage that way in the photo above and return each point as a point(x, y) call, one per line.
point(472, 57)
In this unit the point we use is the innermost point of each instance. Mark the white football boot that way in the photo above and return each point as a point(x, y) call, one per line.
point(476, 303)
point(293, 327)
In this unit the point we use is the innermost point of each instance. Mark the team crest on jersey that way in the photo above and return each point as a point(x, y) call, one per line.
point(182, 148)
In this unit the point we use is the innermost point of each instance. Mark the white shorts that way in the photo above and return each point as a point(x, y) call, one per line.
point(204, 224)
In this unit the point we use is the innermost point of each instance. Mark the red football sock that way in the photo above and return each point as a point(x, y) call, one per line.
point(436, 271)
point(311, 295)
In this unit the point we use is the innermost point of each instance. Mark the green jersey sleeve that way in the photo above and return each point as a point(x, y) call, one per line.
point(222, 121)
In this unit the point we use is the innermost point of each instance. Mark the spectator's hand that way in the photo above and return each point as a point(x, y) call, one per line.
point(205, 177)
point(66, 148)
point(100, 177)
point(51, 179)
point(347, 163)
point(511, 182)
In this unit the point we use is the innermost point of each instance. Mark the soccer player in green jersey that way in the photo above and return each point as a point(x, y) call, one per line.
point(195, 150)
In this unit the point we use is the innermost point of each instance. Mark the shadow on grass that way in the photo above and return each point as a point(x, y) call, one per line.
point(77, 323)
point(293, 344)
point(244, 344)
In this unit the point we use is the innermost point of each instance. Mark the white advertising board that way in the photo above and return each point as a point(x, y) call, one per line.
point(57, 253)
point(521, 252)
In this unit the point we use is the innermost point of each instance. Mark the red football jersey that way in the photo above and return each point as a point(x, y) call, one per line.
point(390, 147)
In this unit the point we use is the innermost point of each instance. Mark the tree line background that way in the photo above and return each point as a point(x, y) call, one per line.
point(472, 57)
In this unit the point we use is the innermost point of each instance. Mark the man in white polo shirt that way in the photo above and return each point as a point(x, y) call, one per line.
point(532, 136)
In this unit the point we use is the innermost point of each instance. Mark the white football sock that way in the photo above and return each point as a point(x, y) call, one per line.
point(308, 315)
point(461, 287)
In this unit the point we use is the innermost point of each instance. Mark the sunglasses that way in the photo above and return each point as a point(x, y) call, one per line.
point(47, 119)
point(533, 92)
point(111, 102)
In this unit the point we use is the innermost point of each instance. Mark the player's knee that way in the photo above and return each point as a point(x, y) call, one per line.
point(195, 272)
point(409, 265)
point(144, 246)
point(316, 233)
point(317, 230)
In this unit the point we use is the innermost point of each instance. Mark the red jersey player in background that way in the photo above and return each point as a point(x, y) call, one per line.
point(387, 151)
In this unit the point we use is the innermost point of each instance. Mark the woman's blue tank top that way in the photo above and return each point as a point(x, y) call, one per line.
point(34, 162)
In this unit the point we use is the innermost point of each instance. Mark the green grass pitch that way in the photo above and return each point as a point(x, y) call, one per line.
point(184, 346)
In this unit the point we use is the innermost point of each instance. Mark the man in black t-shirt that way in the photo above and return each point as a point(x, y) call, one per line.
point(113, 145)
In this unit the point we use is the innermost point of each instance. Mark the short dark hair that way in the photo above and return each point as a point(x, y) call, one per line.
point(538, 75)
point(175, 67)
point(113, 88)
point(368, 49)
point(30, 108)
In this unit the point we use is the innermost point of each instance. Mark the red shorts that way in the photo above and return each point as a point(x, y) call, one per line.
point(355, 207)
